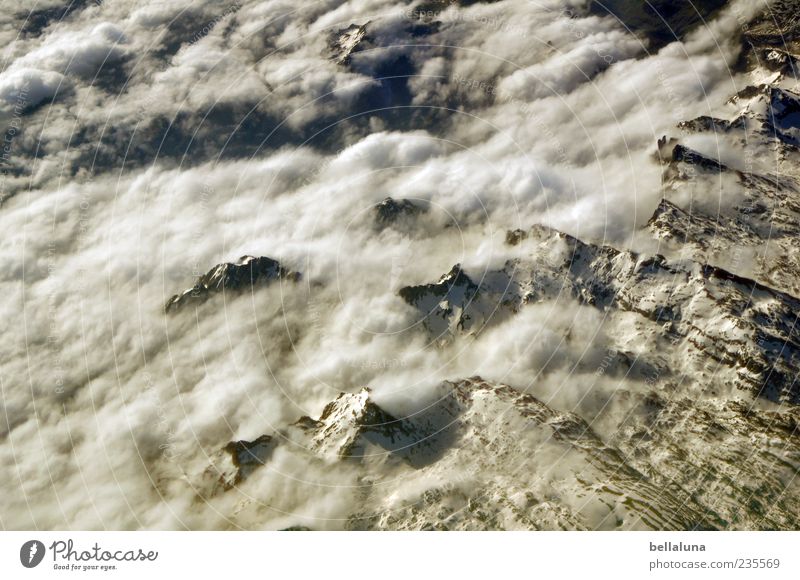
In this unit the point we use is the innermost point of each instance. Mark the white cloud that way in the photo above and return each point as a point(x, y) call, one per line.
point(96, 380)
point(80, 52)
point(25, 88)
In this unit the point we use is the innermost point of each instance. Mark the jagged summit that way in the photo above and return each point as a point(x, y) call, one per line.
point(237, 461)
point(521, 464)
point(245, 273)
point(349, 422)
point(445, 303)
point(391, 211)
point(764, 221)
point(343, 43)
point(683, 154)
point(705, 124)
point(714, 314)
point(784, 115)
point(701, 429)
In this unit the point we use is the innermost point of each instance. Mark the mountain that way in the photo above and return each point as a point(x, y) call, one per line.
point(233, 277)
point(700, 311)
point(550, 265)
point(703, 336)
point(757, 210)
point(391, 211)
point(487, 456)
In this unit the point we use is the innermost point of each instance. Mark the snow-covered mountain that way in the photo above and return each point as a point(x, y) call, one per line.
point(713, 442)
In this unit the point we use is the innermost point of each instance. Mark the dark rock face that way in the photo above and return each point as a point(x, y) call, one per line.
point(766, 218)
point(353, 423)
point(246, 456)
point(681, 153)
point(449, 305)
point(671, 222)
point(239, 276)
point(777, 60)
point(514, 237)
point(697, 302)
point(707, 124)
point(235, 462)
point(391, 211)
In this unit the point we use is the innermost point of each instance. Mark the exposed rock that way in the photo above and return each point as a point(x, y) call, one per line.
point(776, 60)
point(766, 219)
point(686, 155)
point(296, 529)
point(784, 116)
point(703, 339)
point(485, 456)
point(513, 462)
point(242, 275)
point(239, 459)
point(741, 325)
point(670, 222)
point(391, 211)
point(706, 124)
point(343, 43)
point(779, 26)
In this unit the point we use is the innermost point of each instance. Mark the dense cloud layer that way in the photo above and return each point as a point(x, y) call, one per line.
point(148, 141)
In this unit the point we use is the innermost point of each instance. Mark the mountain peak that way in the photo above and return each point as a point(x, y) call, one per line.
point(343, 43)
point(345, 425)
point(391, 211)
point(238, 460)
point(246, 272)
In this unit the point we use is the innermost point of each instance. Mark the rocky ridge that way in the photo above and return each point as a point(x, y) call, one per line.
point(234, 277)
point(504, 444)
point(705, 341)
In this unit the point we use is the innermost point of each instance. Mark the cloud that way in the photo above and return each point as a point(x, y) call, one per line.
point(110, 409)
point(25, 88)
point(80, 53)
